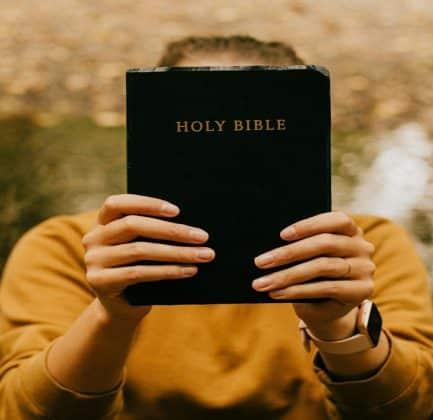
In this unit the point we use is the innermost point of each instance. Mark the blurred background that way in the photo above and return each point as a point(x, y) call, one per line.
point(62, 65)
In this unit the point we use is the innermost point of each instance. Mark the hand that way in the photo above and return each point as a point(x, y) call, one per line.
point(328, 247)
point(110, 254)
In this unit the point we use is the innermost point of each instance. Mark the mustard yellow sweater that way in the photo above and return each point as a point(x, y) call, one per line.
point(228, 362)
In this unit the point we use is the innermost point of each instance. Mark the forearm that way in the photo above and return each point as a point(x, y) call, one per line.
point(91, 355)
point(400, 389)
point(391, 380)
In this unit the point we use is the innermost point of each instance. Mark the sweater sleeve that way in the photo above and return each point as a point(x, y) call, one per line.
point(403, 387)
point(43, 290)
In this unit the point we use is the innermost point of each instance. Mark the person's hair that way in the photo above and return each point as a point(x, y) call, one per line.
point(242, 46)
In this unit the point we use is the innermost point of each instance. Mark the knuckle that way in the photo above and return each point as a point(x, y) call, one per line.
point(281, 285)
point(278, 281)
point(137, 250)
point(367, 247)
point(283, 254)
point(371, 248)
point(332, 289)
point(297, 226)
point(171, 272)
point(130, 223)
point(323, 265)
point(327, 241)
point(182, 254)
point(176, 272)
point(332, 266)
point(174, 230)
point(134, 273)
point(110, 202)
point(85, 240)
point(89, 258)
point(93, 237)
point(344, 219)
point(94, 278)
point(370, 267)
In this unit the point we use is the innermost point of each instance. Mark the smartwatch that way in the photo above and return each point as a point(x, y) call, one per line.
point(368, 329)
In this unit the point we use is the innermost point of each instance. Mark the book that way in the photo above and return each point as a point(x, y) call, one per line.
point(244, 151)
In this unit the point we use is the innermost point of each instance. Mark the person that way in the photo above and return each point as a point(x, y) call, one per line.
point(72, 348)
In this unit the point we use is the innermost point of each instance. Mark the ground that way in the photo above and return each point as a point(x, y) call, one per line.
point(62, 88)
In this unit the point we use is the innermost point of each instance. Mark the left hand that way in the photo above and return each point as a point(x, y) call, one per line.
point(328, 247)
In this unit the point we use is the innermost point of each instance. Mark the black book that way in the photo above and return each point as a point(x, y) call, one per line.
point(244, 151)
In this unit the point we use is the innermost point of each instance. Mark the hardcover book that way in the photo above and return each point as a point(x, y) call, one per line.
point(244, 151)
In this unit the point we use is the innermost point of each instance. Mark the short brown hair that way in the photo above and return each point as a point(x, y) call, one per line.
point(273, 53)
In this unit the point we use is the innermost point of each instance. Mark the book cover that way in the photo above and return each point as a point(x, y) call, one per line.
point(243, 151)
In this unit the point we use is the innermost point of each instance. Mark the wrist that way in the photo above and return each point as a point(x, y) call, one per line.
point(106, 319)
point(337, 329)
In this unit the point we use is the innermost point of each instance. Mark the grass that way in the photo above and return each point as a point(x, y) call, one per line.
point(45, 171)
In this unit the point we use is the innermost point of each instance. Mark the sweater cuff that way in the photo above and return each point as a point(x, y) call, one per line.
point(57, 401)
point(391, 381)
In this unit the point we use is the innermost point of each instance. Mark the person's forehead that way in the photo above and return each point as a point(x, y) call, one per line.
point(219, 59)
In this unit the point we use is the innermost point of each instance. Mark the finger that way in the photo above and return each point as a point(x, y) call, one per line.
point(132, 226)
point(116, 255)
point(327, 244)
point(117, 206)
point(113, 280)
point(330, 222)
point(317, 268)
point(343, 291)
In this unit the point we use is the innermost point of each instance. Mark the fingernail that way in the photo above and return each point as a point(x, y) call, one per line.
point(169, 209)
point(288, 233)
point(205, 254)
point(264, 259)
point(199, 234)
point(188, 271)
point(261, 282)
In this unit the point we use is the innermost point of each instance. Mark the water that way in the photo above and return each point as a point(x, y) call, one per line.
point(399, 185)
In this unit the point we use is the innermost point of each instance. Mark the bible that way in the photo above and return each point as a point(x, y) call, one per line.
point(244, 151)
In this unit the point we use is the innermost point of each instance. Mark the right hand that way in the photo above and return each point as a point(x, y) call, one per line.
point(121, 219)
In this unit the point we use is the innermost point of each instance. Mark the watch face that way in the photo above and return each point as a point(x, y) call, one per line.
point(374, 326)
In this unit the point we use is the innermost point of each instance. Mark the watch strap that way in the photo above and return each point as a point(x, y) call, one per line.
point(353, 344)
